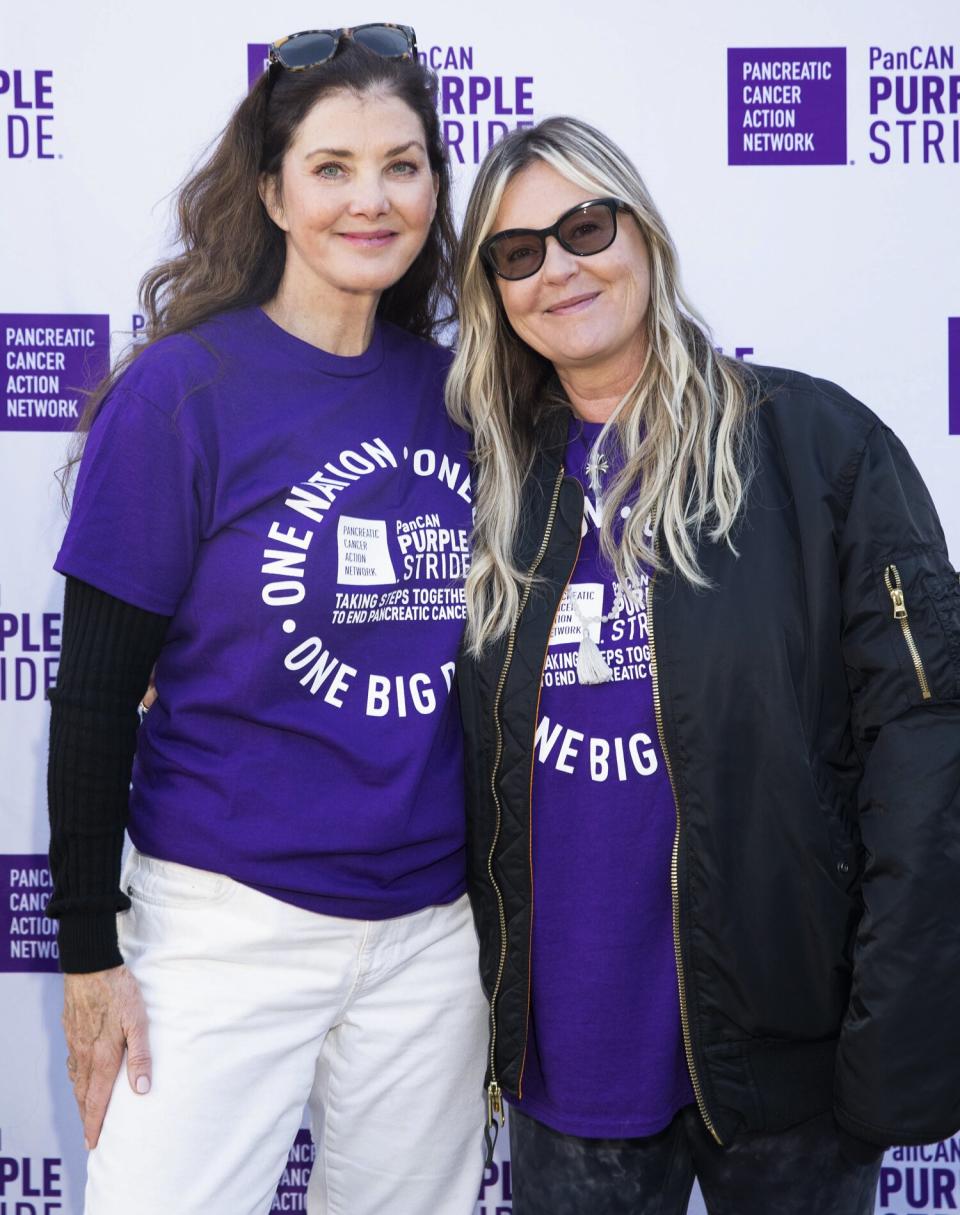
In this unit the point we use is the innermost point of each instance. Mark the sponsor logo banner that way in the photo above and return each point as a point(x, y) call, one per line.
point(787, 106)
point(26, 106)
point(496, 1191)
point(476, 109)
point(914, 105)
point(291, 1193)
point(27, 936)
point(29, 655)
point(920, 1180)
point(24, 1179)
point(256, 61)
point(49, 362)
point(953, 374)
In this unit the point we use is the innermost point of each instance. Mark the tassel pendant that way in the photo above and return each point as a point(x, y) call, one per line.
point(591, 665)
point(592, 668)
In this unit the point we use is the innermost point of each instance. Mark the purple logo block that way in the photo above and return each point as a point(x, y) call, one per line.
point(49, 363)
point(26, 130)
point(953, 348)
point(292, 1191)
point(256, 61)
point(27, 938)
point(787, 106)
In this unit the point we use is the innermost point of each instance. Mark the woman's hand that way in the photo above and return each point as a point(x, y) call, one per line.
point(103, 1013)
point(151, 693)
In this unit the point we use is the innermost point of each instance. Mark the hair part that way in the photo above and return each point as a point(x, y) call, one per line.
point(682, 432)
point(232, 255)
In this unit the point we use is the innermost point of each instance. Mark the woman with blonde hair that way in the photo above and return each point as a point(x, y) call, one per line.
point(711, 692)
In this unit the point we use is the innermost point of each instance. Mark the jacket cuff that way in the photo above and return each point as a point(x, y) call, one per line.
point(850, 1131)
point(87, 941)
point(857, 1151)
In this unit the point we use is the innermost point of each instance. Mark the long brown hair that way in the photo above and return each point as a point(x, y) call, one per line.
point(232, 255)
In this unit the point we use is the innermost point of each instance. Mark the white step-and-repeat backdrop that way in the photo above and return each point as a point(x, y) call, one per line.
point(817, 225)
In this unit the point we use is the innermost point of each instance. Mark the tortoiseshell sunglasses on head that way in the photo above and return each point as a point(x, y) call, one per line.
point(310, 48)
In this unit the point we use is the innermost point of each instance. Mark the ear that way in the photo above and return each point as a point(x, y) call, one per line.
point(436, 193)
point(268, 187)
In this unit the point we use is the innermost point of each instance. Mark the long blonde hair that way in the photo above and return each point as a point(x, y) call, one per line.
point(682, 430)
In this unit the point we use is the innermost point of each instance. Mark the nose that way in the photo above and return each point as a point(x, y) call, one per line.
point(559, 264)
point(370, 197)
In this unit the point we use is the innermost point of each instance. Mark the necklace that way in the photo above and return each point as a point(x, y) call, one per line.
point(595, 463)
point(597, 466)
point(592, 667)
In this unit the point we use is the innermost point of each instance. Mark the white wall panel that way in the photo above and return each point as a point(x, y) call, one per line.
point(848, 270)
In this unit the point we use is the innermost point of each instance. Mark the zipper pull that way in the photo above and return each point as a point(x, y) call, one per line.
point(891, 576)
point(494, 1105)
point(491, 1130)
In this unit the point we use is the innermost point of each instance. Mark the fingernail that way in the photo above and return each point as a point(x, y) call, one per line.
point(143, 1084)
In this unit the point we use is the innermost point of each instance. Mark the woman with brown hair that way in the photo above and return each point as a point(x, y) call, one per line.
point(272, 508)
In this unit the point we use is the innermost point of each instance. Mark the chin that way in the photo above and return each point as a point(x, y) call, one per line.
point(576, 356)
point(365, 280)
point(365, 275)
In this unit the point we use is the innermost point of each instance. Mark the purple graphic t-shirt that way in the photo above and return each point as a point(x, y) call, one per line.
point(303, 518)
point(605, 1053)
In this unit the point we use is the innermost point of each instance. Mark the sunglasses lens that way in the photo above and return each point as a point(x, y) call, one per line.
point(589, 231)
point(517, 256)
point(306, 50)
point(383, 40)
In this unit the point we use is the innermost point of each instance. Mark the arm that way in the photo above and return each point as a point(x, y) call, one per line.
point(108, 650)
point(898, 1073)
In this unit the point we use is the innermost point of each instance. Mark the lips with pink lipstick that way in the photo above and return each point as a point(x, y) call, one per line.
point(375, 239)
point(576, 303)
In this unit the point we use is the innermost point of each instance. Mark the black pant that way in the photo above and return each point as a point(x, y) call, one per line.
point(799, 1171)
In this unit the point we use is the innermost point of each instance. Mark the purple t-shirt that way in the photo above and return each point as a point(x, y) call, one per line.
point(605, 1054)
point(303, 518)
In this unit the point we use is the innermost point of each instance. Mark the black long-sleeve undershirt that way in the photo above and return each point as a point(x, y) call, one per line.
point(108, 649)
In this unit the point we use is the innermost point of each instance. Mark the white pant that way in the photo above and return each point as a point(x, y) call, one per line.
point(257, 1008)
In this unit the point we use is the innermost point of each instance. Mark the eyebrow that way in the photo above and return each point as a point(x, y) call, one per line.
point(347, 154)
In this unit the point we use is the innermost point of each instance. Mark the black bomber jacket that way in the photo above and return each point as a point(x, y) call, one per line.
point(809, 709)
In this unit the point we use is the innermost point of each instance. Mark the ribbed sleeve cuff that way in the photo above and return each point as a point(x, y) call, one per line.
point(107, 650)
point(87, 942)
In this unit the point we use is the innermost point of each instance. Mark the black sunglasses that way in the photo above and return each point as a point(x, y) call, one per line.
point(588, 228)
point(308, 49)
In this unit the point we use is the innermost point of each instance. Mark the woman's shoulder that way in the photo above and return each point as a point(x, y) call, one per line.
point(804, 408)
point(816, 432)
point(172, 368)
point(430, 356)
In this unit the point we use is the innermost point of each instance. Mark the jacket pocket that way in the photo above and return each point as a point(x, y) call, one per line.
point(843, 835)
point(943, 592)
point(894, 585)
point(921, 597)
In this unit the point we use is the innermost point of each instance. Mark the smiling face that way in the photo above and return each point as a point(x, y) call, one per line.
point(579, 312)
point(356, 196)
